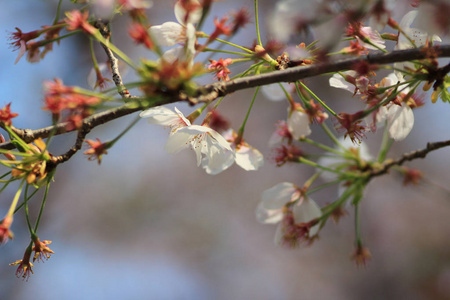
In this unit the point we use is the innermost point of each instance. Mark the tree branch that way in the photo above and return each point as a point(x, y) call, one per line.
point(408, 157)
point(212, 91)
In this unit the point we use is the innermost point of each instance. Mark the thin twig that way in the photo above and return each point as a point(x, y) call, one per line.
point(117, 78)
point(408, 157)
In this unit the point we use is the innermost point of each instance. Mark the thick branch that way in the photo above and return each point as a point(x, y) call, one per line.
point(408, 157)
point(212, 91)
point(220, 89)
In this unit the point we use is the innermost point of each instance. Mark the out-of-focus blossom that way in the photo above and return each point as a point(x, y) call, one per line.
point(380, 14)
point(418, 35)
point(433, 16)
point(140, 35)
point(96, 150)
point(6, 115)
point(135, 4)
point(397, 114)
point(298, 123)
point(78, 20)
point(331, 160)
point(5, 229)
point(274, 91)
point(284, 204)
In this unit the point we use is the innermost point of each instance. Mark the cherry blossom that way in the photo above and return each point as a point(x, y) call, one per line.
point(398, 115)
point(274, 92)
point(418, 36)
point(298, 123)
point(212, 151)
point(273, 209)
point(171, 33)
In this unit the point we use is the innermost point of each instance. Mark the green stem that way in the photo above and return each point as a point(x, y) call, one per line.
point(58, 10)
point(319, 145)
point(97, 35)
point(44, 200)
point(204, 35)
point(27, 214)
point(257, 23)
point(385, 145)
point(241, 130)
point(331, 136)
point(23, 203)
point(228, 52)
point(111, 143)
point(318, 99)
point(15, 200)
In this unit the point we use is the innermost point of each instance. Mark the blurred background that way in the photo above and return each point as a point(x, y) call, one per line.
point(147, 224)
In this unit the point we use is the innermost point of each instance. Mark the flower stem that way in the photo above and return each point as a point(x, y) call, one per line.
point(257, 23)
point(15, 200)
point(317, 98)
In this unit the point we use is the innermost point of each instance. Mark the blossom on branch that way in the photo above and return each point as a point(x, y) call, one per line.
point(212, 151)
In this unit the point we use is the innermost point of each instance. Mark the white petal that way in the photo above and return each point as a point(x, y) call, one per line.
point(400, 121)
point(274, 92)
point(217, 159)
point(298, 124)
point(163, 116)
point(178, 141)
point(249, 158)
point(307, 211)
point(174, 54)
point(194, 16)
point(339, 81)
point(168, 34)
point(277, 196)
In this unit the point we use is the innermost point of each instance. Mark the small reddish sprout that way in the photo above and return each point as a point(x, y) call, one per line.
point(5, 231)
point(24, 265)
point(41, 250)
point(79, 20)
point(220, 67)
point(140, 35)
point(96, 150)
point(361, 256)
point(6, 115)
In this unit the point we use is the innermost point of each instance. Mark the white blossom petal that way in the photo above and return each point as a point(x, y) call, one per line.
point(298, 124)
point(306, 211)
point(269, 210)
point(400, 121)
point(194, 16)
point(168, 34)
point(249, 158)
point(274, 92)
